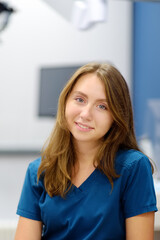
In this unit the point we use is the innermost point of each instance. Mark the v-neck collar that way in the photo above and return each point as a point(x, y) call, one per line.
point(86, 182)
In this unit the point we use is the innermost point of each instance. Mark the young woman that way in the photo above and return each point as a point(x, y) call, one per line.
point(92, 181)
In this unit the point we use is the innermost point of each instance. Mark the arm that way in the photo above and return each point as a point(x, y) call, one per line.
point(140, 227)
point(28, 229)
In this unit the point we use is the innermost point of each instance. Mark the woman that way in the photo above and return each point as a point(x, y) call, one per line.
point(93, 181)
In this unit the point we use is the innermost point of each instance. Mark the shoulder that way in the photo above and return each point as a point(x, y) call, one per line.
point(34, 165)
point(32, 193)
point(33, 169)
point(135, 182)
point(130, 159)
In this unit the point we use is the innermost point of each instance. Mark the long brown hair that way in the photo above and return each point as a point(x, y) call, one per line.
point(59, 157)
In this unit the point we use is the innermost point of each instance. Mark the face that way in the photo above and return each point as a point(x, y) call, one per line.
point(87, 113)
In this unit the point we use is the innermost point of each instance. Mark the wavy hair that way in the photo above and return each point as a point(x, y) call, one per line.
point(59, 156)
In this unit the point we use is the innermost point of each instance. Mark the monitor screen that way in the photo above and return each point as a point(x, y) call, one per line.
point(52, 81)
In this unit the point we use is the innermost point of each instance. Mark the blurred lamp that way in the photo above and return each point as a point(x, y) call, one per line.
point(86, 13)
point(5, 13)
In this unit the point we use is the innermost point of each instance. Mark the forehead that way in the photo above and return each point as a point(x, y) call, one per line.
point(90, 84)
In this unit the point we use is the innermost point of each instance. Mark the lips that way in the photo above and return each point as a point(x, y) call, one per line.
point(84, 126)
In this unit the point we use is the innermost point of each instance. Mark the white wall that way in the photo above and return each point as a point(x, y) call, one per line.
point(38, 36)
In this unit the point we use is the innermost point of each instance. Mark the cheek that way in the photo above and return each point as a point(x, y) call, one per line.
point(107, 122)
point(110, 121)
point(67, 112)
point(70, 111)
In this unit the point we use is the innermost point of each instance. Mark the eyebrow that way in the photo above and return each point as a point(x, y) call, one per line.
point(83, 94)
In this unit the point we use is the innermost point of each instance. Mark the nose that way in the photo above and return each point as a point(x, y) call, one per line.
point(86, 112)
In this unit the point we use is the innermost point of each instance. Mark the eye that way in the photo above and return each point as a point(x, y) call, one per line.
point(103, 107)
point(79, 99)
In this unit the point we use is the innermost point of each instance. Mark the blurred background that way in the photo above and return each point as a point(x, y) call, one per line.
point(42, 42)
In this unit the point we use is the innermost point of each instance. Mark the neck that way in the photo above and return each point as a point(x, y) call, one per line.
point(85, 153)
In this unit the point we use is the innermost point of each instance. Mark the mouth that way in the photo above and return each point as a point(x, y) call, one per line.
point(83, 126)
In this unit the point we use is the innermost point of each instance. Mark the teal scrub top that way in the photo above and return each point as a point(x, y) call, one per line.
point(92, 211)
